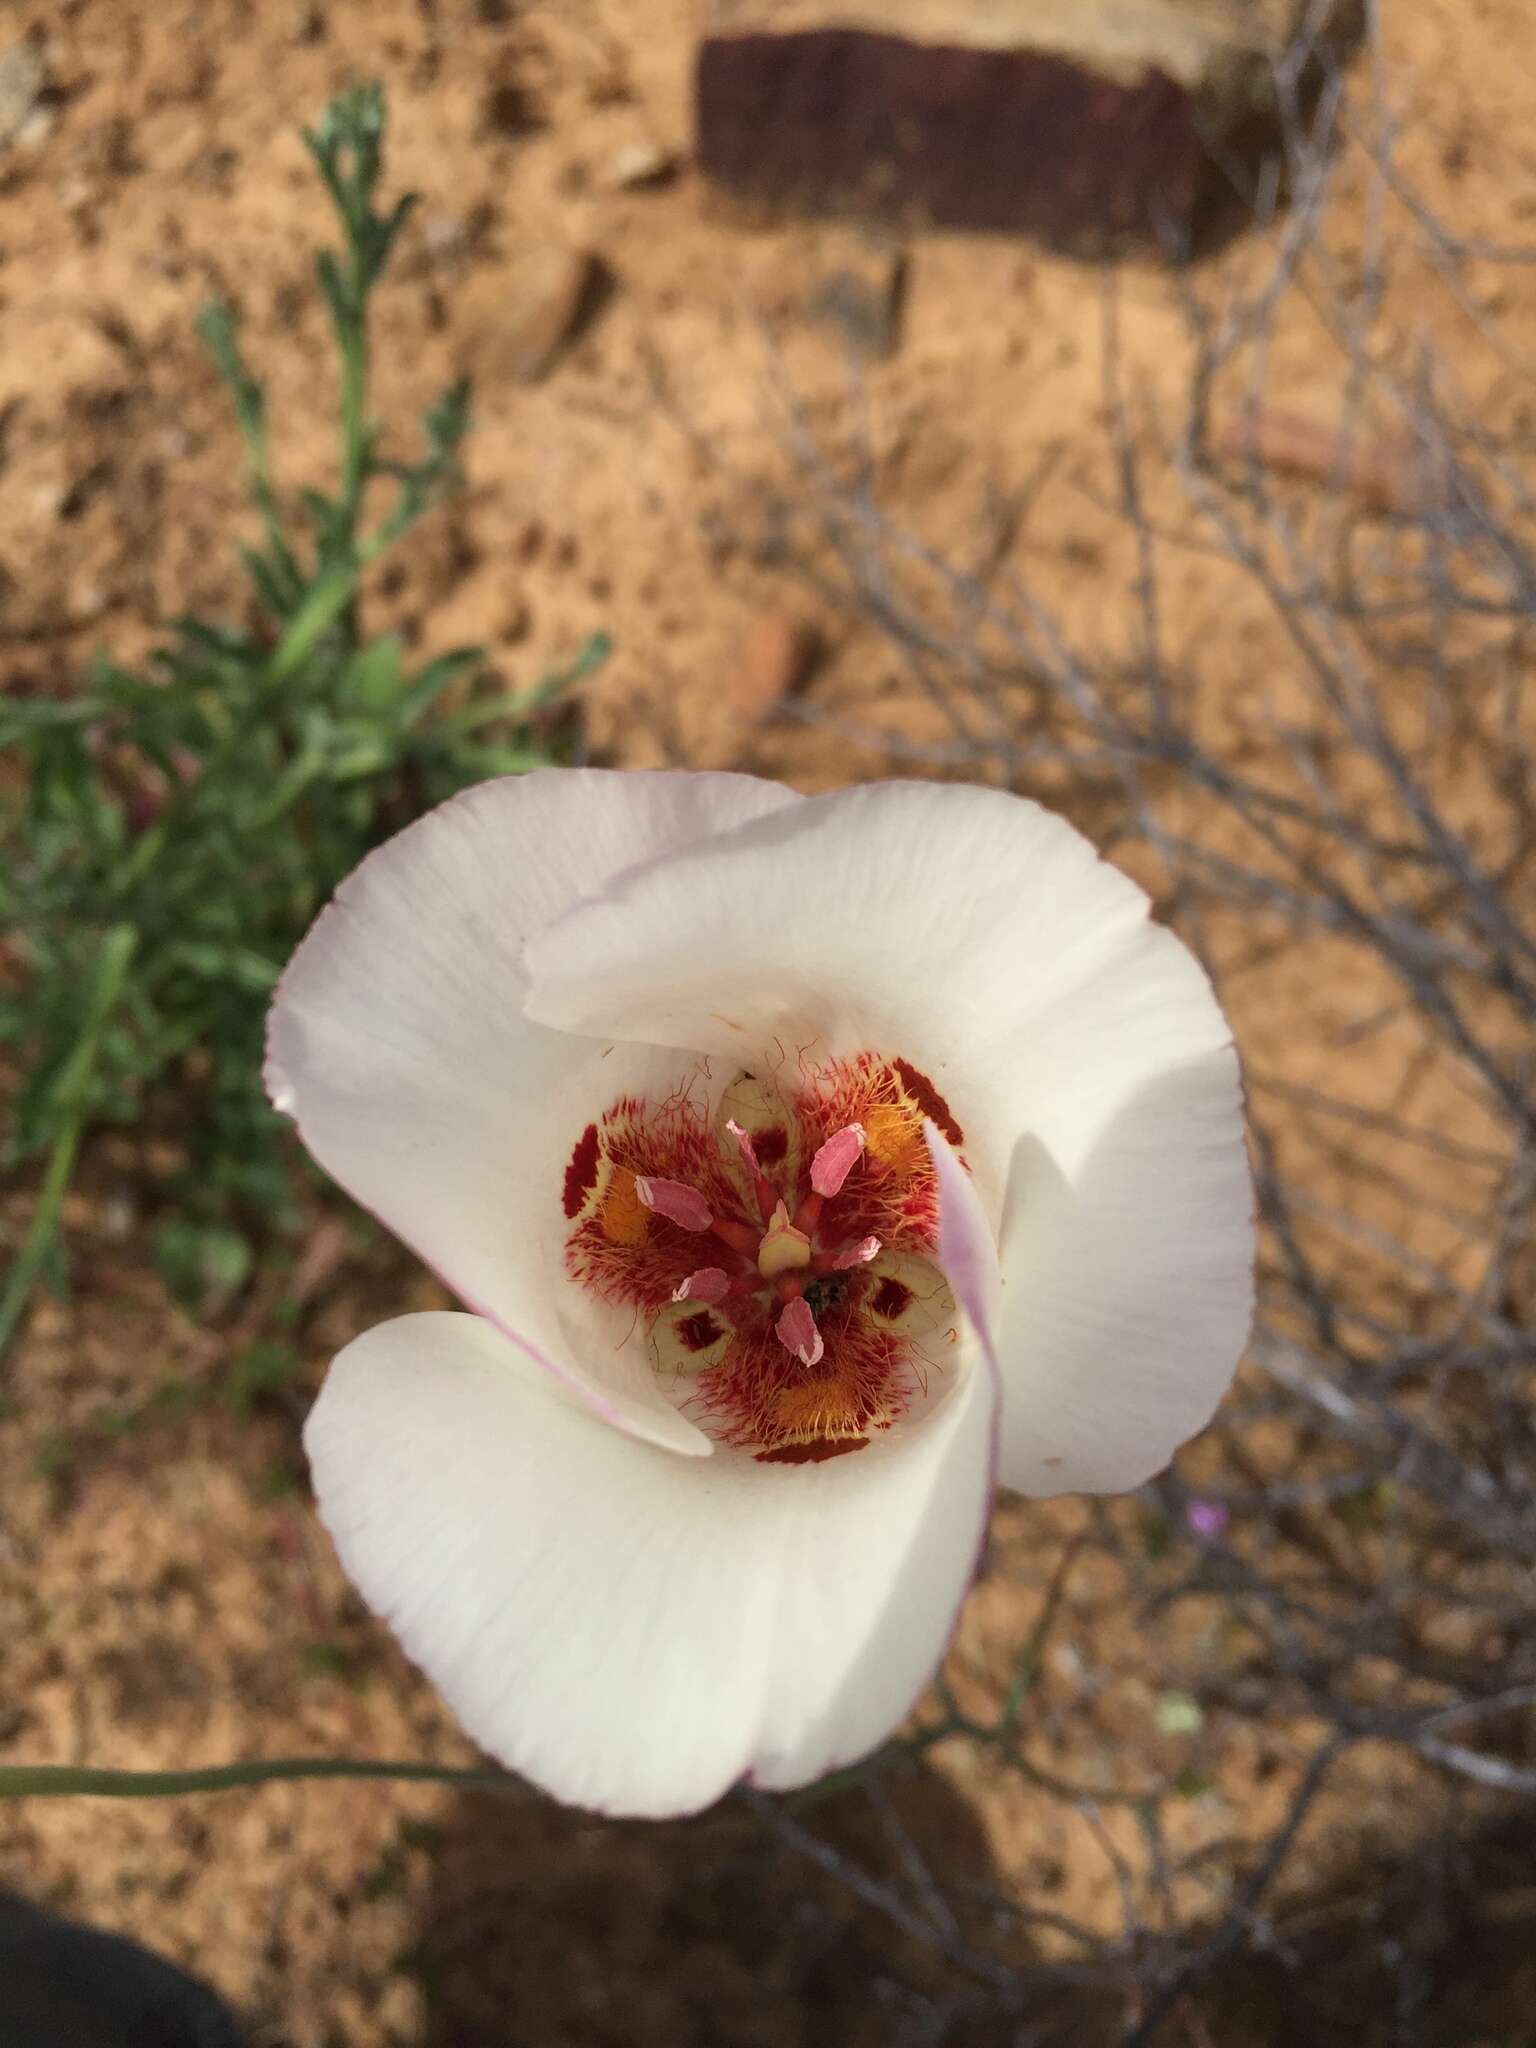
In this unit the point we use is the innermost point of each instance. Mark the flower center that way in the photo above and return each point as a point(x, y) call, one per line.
point(780, 1250)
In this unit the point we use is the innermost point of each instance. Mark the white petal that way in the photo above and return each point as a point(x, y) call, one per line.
point(935, 921)
point(398, 1043)
point(1079, 1046)
point(1129, 1286)
point(634, 1631)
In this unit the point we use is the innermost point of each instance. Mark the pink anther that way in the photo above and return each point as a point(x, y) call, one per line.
point(711, 1284)
point(858, 1254)
point(767, 1194)
point(744, 1141)
point(675, 1200)
point(836, 1159)
point(796, 1330)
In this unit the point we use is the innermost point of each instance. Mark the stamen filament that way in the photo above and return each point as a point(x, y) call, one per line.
point(739, 1236)
point(762, 1187)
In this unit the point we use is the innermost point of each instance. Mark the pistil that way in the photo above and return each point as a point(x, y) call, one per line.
point(784, 1249)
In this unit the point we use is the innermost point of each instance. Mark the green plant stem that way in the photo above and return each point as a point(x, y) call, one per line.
point(356, 438)
point(353, 338)
point(216, 324)
point(72, 1089)
point(55, 1781)
point(323, 605)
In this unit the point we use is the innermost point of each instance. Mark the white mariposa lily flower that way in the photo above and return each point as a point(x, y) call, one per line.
point(809, 1165)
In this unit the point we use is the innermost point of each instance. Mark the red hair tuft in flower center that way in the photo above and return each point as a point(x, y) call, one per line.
point(780, 1248)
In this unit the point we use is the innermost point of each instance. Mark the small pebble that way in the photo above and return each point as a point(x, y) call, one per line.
point(777, 654)
point(641, 162)
point(22, 78)
point(548, 292)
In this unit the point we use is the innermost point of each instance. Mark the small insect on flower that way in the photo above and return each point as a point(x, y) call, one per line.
point(808, 1166)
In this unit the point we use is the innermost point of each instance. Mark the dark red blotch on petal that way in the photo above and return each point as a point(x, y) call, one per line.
point(929, 1100)
point(890, 1298)
point(581, 1174)
point(697, 1333)
point(770, 1144)
point(814, 1453)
